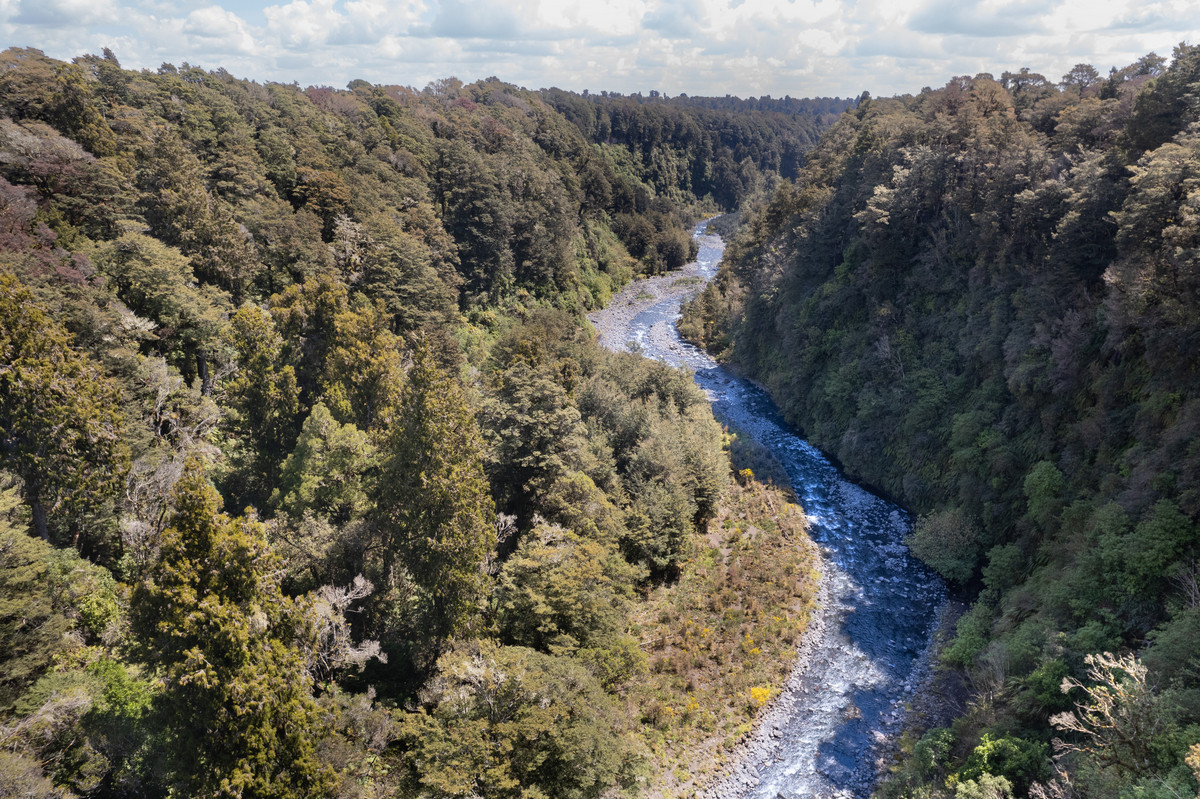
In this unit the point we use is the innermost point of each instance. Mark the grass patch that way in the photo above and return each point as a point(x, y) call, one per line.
point(721, 641)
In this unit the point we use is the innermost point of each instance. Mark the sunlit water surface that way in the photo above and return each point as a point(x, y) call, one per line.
point(881, 604)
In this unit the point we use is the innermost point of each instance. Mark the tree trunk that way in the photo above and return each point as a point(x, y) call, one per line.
point(206, 386)
point(39, 519)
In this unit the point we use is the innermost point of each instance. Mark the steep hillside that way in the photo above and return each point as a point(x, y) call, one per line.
point(985, 300)
point(313, 480)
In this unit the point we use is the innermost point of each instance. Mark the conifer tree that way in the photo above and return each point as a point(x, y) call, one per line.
point(433, 502)
point(264, 399)
point(238, 708)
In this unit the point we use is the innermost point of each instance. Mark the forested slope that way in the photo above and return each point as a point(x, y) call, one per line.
point(313, 480)
point(985, 300)
point(724, 148)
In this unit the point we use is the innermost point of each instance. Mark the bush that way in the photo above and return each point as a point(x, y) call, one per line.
point(949, 542)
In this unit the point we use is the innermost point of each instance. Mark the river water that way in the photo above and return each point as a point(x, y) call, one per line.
point(829, 733)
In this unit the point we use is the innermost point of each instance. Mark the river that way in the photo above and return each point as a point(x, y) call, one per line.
point(830, 732)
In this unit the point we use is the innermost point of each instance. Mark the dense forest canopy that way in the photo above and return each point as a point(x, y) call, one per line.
point(314, 482)
point(984, 299)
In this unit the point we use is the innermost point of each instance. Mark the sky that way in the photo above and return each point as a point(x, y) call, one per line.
point(802, 48)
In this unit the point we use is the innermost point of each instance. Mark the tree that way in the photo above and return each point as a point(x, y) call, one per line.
point(949, 542)
point(34, 86)
point(1044, 486)
point(535, 432)
point(341, 349)
point(432, 500)
point(560, 592)
point(60, 428)
point(326, 472)
point(1119, 718)
point(509, 722)
point(156, 282)
point(399, 270)
point(1080, 77)
point(1017, 760)
point(212, 619)
point(264, 398)
point(183, 212)
point(51, 601)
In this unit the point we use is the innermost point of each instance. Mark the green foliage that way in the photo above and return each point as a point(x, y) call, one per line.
point(431, 500)
point(121, 726)
point(51, 602)
point(970, 636)
point(1043, 687)
point(666, 451)
point(212, 620)
point(1043, 488)
point(511, 722)
point(1019, 761)
point(1156, 545)
point(1174, 653)
point(534, 432)
point(155, 281)
point(931, 755)
point(59, 425)
point(986, 786)
point(1005, 567)
point(560, 593)
point(341, 349)
point(327, 472)
point(34, 86)
point(948, 542)
point(264, 400)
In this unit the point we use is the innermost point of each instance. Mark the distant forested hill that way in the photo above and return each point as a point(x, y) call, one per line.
point(703, 146)
point(985, 300)
point(312, 479)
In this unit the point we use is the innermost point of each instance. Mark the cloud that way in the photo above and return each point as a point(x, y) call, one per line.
point(371, 21)
point(526, 47)
point(984, 20)
point(745, 47)
point(64, 13)
point(457, 19)
point(215, 23)
point(301, 24)
point(896, 44)
point(1155, 17)
point(673, 19)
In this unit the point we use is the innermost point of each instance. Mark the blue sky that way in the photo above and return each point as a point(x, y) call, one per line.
point(715, 47)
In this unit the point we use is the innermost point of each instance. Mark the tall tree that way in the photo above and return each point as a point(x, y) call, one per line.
point(59, 424)
point(432, 501)
point(264, 399)
point(238, 706)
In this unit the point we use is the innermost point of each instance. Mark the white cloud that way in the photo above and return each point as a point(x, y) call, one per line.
point(746, 47)
point(982, 20)
point(300, 24)
point(223, 26)
point(63, 13)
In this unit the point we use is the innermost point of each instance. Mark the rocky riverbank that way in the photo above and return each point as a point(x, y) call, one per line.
point(867, 651)
point(614, 323)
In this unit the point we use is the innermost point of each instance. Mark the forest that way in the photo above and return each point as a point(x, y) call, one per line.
point(314, 481)
point(984, 301)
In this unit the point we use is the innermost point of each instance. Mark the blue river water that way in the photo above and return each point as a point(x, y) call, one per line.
point(829, 734)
